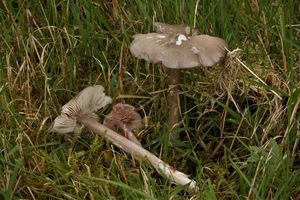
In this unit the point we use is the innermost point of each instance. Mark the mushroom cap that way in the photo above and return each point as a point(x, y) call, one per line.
point(174, 29)
point(87, 102)
point(123, 115)
point(178, 51)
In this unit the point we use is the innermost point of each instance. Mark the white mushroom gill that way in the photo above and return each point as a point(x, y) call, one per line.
point(87, 102)
point(180, 38)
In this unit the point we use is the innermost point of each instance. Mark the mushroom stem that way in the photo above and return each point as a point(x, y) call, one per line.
point(173, 101)
point(131, 136)
point(136, 150)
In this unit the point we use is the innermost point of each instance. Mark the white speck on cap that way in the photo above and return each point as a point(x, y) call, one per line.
point(195, 49)
point(161, 36)
point(180, 39)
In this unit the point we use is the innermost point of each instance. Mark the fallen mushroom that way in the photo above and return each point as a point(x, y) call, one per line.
point(123, 117)
point(87, 102)
point(177, 51)
point(81, 111)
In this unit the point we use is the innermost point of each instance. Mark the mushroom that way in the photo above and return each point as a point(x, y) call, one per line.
point(176, 50)
point(124, 117)
point(81, 111)
point(86, 103)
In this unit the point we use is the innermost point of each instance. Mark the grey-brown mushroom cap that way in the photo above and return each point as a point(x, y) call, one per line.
point(123, 115)
point(146, 46)
point(174, 29)
point(178, 51)
point(210, 50)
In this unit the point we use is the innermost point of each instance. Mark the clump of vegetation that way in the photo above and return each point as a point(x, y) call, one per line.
point(240, 135)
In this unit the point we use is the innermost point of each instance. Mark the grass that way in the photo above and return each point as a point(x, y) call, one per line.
point(239, 140)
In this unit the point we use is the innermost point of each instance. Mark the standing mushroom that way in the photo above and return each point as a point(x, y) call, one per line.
point(175, 49)
point(81, 111)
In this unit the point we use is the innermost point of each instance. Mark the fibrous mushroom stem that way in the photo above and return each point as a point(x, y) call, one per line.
point(173, 101)
point(131, 136)
point(136, 150)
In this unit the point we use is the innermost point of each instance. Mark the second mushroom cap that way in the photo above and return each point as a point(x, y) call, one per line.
point(177, 50)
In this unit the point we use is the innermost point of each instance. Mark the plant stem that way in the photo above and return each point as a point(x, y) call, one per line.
point(136, 150)
point(173, 101)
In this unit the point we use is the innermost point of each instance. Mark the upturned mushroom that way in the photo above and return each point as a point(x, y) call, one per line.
point(124, 118)
point(81, 111)
point(176, 50)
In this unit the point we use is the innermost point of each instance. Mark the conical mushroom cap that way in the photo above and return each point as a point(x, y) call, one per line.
point(87, 102)
point(179, 51)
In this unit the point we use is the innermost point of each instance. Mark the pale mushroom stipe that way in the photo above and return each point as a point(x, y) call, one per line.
point(81, 111)
point(176, 49)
